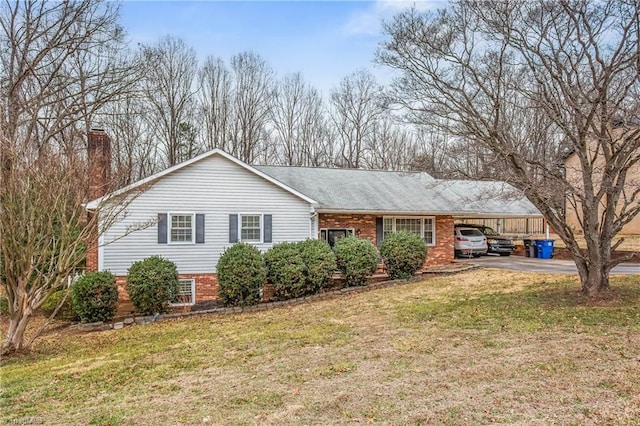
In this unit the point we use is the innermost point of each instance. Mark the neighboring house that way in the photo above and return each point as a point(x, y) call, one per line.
point(573, 173)
point(196, 209)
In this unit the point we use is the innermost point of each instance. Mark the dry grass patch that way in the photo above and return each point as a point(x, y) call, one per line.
point(474, 348)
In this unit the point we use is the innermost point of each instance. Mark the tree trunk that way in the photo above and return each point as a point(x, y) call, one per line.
point(594, 273)
point(595, 281)
point(15, 334)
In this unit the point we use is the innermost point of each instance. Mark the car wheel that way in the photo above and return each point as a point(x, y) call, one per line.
point(505, 254)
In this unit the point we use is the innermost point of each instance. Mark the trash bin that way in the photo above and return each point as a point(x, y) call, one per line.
point(529, 248)
point(545, 249)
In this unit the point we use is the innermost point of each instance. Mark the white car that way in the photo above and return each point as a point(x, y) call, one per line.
point(469, 242)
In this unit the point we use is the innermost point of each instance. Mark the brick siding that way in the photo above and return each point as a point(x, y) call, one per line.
point(442, 252)
point(365, 227)
point(206, 289)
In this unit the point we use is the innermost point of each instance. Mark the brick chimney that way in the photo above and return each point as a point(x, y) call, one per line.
point(99, 154)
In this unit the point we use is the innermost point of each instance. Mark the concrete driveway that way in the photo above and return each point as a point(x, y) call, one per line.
point(528, 264)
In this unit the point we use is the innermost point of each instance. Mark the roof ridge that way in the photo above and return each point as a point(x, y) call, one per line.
point(415, 172)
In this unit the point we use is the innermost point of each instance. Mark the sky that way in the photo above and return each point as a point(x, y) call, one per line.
point(324, 40)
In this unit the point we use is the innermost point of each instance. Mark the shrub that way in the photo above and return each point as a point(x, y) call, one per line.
point(286, 270)
point(241, 274)
point(95, 296)
point(320, 263)
point(356, 258)
point(404, 253)
point(151, 284)
point(66, 311)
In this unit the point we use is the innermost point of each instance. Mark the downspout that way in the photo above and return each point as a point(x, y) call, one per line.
point(313, 232)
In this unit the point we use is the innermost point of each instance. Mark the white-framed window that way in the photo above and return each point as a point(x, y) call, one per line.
point(181, 228)
point(186, 293)
point(422, 226)
point(429, 230)
point(250, 227)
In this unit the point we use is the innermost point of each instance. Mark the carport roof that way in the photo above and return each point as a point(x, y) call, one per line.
point(362, 191)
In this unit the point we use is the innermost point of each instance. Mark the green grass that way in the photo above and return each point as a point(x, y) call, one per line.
point(474, 348)
point(536, 308)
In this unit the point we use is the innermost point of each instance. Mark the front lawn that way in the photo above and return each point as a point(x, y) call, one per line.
point(475, 348)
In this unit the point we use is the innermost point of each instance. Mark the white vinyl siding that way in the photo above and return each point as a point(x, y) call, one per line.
point(422, 226)
point(215, 187)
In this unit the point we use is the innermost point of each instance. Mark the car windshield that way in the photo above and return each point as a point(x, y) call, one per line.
point(470, 233)
point(489, 231)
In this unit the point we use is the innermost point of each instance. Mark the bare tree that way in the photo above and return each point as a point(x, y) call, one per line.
point(392, 146)
point(298, 122)
point(58, 70)
point(59, 67)
point(355, 109)
point(216, 103)
point(526, 80)
point(435, 154)
point(253, 90)
point(172, 67)
point(318, 147)
point(134, 150)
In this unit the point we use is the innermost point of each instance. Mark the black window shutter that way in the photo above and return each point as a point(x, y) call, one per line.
point(162, 228)
point(199, 228)
point(267, 228)
point(233, 228)
point(379, 231)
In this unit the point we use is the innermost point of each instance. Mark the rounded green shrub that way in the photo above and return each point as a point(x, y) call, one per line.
point(403, 253)
point(241, 275)
point(151, 284)
point(66, 311)
point(356, 258)
point(95, 296)
point(320, 263)
point(286, 270)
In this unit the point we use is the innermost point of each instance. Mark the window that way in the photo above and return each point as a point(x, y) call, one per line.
point(333, 235)
point(181, 228)
point(429, 231)
point(186, 293)
point(422, 226)
point(387, 227)
point(410, 225)
point(251, 228)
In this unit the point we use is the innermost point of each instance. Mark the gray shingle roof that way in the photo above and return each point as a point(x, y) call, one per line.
point(355, 190)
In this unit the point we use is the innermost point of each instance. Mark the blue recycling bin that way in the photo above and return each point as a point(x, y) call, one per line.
point(545, 249)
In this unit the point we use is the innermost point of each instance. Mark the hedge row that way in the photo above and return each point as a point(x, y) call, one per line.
point(304, 268)
point(294, 269)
